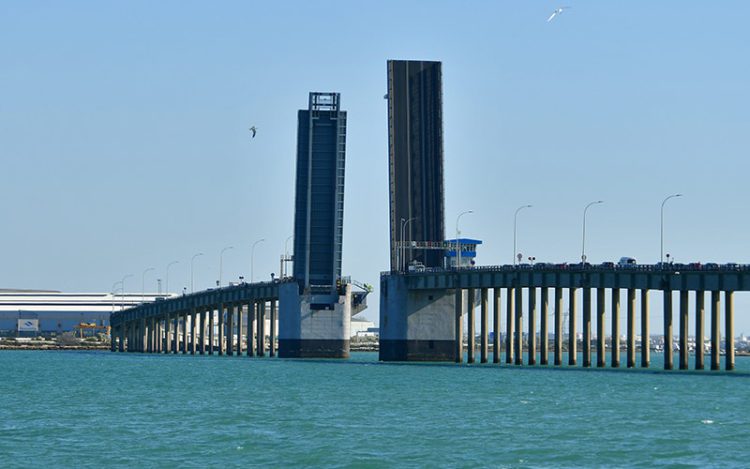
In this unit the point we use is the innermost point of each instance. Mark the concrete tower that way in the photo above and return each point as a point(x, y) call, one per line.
point(315, 311)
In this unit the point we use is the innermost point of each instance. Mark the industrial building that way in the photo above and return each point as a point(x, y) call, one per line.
point(35, 312)
point(415, 156)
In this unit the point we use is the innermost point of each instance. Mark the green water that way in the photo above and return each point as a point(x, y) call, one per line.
point(95, 409)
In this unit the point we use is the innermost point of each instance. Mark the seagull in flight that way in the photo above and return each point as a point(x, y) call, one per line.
point(253, 130)
point(557, 12)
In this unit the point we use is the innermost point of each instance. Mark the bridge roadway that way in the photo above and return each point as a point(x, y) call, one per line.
point(158, 327)
point(408, 292)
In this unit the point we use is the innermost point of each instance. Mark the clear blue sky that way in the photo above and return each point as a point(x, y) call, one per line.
point(124, 141)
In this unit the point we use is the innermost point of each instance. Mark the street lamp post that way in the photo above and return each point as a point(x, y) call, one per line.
point(402, 249)
point(458, 234)
point(286, 254)
point(583, 238)
point(192, 260)
point(252, 258)
point(122, 303)
point(515, 223)
point(661, 254)
point(221, 261)
point(166, 288)
point(143, 283)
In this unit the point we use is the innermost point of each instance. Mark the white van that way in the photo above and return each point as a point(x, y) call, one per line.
point(626, 261)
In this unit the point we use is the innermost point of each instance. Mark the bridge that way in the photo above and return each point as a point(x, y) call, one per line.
point(422, 312)
point(202, 322)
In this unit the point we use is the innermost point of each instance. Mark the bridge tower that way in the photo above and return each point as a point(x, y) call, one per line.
point(315, 311)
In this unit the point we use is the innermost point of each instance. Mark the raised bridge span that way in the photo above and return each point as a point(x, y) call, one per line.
point(422, 312)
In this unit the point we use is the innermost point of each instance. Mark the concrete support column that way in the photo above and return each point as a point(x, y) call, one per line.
point(143, 336)
point(532, 326)
point(230, 330)
point(167, 331)
point(272, 327)
point(668, 332)
point(684, 330)
point(471, 332)
point(262, 328)
point(645, 337)
point(202, 332)
point(601, 353)
point(729, 330)
point(715, 330)
point(121, 334)
point(185, 333)
point(700, 331)
point(543, 332)
point(509, 320)
point(572, 340)
point(519, 326)
point(631, 327)
point(484, 323)
point(112, 339)
point(251, 310)
point(211, 330)
point(586, 327)
point(193, 327)
point(496, 325)
point(239, 329)
point(176, 341)
point(616, 328)
point(221, 329)
point(558, 325)
point(459, 351)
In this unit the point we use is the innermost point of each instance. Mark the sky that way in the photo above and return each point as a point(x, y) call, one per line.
point(124, 139)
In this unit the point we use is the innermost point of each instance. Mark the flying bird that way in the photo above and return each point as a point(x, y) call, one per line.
point(557, 12)
point(253, 130)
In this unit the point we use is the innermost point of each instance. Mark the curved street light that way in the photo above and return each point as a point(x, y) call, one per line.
point(252, 258)
point(661, 256)
point(458, 234)
point(515, 223)
point(192, 259)
point(122, 297)
point(402, 249)
point(143, 283)
point(583, 241)
point(221, 261)
point(167, 279)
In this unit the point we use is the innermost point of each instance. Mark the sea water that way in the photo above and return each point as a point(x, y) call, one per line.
point(96, 409)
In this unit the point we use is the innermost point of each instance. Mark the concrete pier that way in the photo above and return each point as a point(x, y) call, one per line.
point(211, 330)
point(615, 328)
point(239, 329)
point(715, 331)
point(668, 332)
point(601, 353)
point(496, 326)
point(222, 333)
point(176, 336)
point(262, 329)
point(193, 327)
point(532, 327)
point(202, 332)
point(519, 327)
point(586, 326)
point(572, 340)
point(167, 333)
point(272, 333)
point(459, 326)
point(230, 330)
point(543, 331)
point(631, 328)
point(684, 351)
point(510, 324)
point(471, 331)
point(700, 329)
point(645, 337)
point(558, 325)
point(484, 324)
point(251, 322)
point(729, 330)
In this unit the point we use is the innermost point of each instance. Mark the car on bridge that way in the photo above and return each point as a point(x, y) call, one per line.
point(626, 262)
